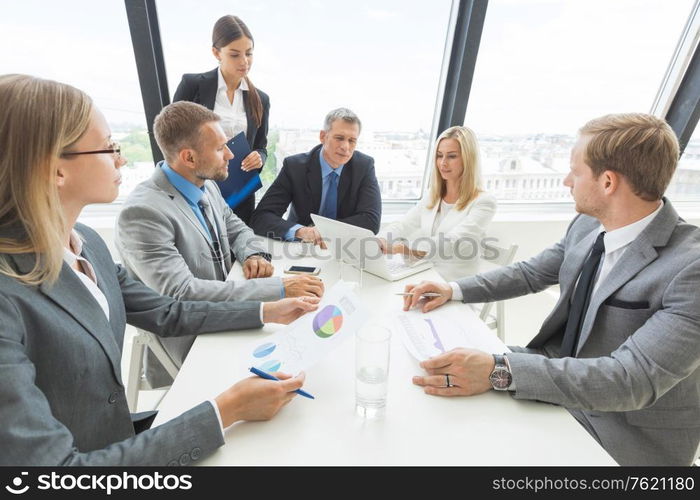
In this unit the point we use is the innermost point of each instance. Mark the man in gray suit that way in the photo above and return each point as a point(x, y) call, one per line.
point(621, 349)
point(176, 234)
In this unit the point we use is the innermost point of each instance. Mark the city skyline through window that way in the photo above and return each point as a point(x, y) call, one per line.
point(544, 68)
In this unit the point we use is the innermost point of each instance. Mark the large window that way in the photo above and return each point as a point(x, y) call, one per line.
point(86, 44)
point(546, 67)
point(685, 185)
point(380, 58)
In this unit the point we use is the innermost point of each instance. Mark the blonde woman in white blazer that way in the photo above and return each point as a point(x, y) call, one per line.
point(447, 225)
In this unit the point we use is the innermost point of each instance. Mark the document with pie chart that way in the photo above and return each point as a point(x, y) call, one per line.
point(313, 336)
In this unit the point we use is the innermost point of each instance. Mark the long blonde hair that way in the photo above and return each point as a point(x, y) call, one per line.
point(470, 182)
point(39, 119)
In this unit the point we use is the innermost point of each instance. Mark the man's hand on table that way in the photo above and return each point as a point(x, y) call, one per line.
point(467, 371)
point(303, 286)
point(287, 310)
point(428, 304)
point(310, 235)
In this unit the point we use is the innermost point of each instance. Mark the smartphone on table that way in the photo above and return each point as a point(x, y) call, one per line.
point(311, 270)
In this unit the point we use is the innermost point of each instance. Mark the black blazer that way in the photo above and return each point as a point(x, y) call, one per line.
point(299, 183)
point(201, 88)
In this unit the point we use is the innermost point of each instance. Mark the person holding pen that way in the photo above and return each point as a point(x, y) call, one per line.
point(621, 348)
point(228, 91)
point(64, 303)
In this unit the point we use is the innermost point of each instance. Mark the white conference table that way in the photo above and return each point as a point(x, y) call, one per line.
point(416, 429)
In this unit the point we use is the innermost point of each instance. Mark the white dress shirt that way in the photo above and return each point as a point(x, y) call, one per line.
point(617, 241)
point(87, 276)
point(233, 117)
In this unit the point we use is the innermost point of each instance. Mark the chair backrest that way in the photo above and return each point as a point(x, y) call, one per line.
point(496, 253)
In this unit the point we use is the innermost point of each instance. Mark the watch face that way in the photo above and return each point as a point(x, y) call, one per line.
point(501, 379)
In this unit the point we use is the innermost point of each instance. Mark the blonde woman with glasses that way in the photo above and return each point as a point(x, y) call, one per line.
point(64, 303)
point(447, 225)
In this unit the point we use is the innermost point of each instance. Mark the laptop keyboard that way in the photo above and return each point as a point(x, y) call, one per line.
point(396, 265)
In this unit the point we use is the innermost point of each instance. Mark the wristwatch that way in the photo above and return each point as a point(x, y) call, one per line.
point(500, 377)
point(264, 255)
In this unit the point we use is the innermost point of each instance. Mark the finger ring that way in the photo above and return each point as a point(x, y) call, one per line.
point(447, 381)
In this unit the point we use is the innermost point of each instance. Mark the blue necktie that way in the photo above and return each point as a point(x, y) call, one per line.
point(330, 207)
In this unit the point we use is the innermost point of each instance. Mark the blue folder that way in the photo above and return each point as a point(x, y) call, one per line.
point(239, 184)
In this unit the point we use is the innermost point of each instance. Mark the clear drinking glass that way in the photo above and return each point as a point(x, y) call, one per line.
point(372, 348)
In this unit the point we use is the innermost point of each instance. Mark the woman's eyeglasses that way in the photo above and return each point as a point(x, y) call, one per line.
point(114, 149)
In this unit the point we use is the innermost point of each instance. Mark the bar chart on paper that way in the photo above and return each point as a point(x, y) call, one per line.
point(427, 335)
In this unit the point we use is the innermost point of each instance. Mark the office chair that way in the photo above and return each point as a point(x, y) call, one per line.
point(504, 255)
point(135, 381)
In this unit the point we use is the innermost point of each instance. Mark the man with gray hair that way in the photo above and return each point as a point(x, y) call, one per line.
point(332, 180)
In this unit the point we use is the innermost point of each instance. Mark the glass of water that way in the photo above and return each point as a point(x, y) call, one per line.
point(372, 347)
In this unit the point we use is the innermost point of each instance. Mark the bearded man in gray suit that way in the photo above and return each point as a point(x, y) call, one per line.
point(177, 235)
point(621, 349)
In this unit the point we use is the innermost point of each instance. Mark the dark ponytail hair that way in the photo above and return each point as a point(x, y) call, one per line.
point(226, 30)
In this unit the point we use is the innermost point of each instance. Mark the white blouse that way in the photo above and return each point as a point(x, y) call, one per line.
point(233, 118)
point(440, 215)
point(450, 238)
point(88, 277)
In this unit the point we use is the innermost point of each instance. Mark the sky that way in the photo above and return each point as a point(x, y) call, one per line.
point(544, 66)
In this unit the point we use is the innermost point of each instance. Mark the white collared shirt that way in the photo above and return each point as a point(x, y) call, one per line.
point(617, 241)
point(233, 117)
point(88, 276)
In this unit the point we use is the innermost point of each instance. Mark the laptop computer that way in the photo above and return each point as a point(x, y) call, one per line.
point(359, 247)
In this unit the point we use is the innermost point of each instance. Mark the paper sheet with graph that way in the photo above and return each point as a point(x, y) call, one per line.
point(451, 326)
point(313, 336)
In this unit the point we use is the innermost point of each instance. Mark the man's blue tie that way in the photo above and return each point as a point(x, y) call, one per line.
point(330, 207)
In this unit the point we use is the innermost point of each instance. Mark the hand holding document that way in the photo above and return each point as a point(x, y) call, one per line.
point(240, 183)
point(453, 325)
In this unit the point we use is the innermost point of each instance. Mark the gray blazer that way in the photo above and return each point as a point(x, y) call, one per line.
point(163, 244)
point(635, 381)
point(62, 401)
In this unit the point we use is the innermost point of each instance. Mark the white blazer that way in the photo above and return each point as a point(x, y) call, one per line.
point(456, 245)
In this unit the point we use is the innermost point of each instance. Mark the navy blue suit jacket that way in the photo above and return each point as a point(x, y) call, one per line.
point(201, 88)
point(299, 183)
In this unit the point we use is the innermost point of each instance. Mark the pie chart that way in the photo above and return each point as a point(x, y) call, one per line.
point(328, 321)
point(263, 350)
point(270, 366)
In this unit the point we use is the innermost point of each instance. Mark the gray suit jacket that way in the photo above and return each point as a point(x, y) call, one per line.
point(635, 380)
point(163, 244)
point(62, 401)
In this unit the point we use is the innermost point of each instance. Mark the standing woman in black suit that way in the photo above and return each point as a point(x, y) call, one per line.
point(228, 91)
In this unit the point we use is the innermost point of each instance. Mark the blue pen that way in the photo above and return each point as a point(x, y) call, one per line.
point(267, 376)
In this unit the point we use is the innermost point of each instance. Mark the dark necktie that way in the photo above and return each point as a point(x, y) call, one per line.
point(330, 207)
point(216, 254)
point(582, 296)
